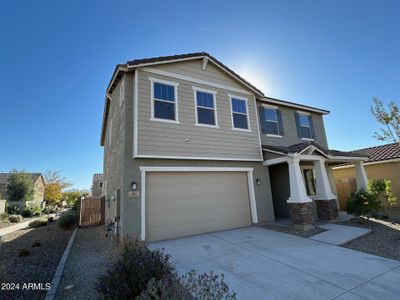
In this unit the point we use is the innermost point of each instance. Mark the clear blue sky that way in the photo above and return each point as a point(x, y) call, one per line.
point(56, 58)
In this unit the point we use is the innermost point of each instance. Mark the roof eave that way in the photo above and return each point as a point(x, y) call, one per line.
point(294, 105)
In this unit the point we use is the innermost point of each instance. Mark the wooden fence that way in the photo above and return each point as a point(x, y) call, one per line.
point(91, 211)
point(344, 188)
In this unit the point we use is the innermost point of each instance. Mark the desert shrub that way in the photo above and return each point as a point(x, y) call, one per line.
point(129, 276)
point(382, 189)
point(12, 210)
point(67, 220)
point(38, 223)
point(36, 244)
point(36, 210)
point(207, 286)
point(143, 274)
point(15, 218)
point(24, 252)
point(4, 216)
point(27, 212)
point(362, 203)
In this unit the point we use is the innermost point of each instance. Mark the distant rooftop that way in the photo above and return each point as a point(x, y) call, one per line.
point(98, 177)
point(4, 177)
point(380, 153)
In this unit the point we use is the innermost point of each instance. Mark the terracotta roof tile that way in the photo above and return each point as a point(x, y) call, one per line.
point(379, 153)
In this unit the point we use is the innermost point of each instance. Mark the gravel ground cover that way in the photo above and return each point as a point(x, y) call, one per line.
point(91, 254)
point(43, 250)
point(384, 239)
point(293, 231)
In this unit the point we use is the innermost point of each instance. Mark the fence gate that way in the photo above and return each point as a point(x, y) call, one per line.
point(91, 211)
point(344, 188)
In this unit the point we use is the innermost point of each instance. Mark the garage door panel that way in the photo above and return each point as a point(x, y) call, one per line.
point(186, 203)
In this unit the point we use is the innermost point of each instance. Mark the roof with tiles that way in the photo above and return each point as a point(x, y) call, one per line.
point(380, 153)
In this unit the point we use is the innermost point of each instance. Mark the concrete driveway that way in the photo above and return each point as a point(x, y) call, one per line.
point(264, 264)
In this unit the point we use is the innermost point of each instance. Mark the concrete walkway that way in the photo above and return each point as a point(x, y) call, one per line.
point(339, 234)
point(18, 226)
point(265, 264)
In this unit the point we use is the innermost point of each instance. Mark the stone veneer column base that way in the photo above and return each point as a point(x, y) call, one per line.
point(327, 209)
point(301, 215)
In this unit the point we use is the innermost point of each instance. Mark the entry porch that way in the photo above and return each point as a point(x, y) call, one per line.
point(302, 181)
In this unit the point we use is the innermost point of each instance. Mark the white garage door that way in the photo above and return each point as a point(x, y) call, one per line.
point(186, 203)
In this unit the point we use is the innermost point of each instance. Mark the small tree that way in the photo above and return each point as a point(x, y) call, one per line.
point(389, 118)
point(382, 189)
point(73, 195)
point(19, 186)
point(55, 184)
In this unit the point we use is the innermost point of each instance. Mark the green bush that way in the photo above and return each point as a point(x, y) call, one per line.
point(362, 203)
point(27, 212)
point(38, 223)
point(13, 210)
point(67, 220)
point(382, 189)
point(15, 218)
point(143, 274)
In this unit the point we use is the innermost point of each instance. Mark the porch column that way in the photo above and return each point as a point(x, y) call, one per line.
point(300, 205)
point(361, 176)
point(325, 200)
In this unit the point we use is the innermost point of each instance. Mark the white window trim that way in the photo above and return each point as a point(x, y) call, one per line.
point(144, 170)
point(121, 93)
point(175, 85)
point(214, 93)
point(309, 127)
point(273, 121)
point(246, 100)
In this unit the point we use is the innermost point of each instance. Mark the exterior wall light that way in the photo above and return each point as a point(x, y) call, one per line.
point(133, 186)
point(258, 181)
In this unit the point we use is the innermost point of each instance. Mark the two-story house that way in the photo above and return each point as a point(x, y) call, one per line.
point(191, 147)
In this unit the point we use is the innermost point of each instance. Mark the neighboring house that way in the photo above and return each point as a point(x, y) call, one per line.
point(38, 186)
point(191, 147)
point(97, 185)
point(383, 163)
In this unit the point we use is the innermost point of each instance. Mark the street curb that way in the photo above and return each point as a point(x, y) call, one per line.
point(51, 293)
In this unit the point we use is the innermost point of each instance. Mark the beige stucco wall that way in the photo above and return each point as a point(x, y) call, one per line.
point(390, 171)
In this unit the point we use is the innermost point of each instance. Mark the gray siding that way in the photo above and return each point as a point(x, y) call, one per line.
point(168, 139)
point(290, 131)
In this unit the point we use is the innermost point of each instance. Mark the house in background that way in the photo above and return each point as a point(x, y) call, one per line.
point(97, 185)
point(383, 163)
point(38, 186)
point(191, 147)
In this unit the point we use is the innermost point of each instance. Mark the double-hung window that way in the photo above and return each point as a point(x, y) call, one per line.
point(305, 127)
point(272, 121)
point(205, 108)
point(164, 101)
point(240, 117)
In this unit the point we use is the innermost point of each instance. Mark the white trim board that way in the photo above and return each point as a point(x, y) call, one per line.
point(135, 113)
point(144, 169)
point(198, 157)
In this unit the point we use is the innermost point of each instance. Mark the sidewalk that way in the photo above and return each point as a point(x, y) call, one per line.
point(339, 234)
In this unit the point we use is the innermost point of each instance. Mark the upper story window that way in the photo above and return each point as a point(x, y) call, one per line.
point(240, 116)
point(271, 121)
point(205, 108)
point(164, 101)
point(305, 127)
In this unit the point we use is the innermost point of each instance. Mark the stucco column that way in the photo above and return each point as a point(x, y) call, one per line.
point(361, 176)
point(300, 205)
point(324, 191)
point(298, 192)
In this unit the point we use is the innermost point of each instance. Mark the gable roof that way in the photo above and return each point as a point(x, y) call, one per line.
point(270, 100)
point(34, 177)
point(298, 148)
point(380, 153)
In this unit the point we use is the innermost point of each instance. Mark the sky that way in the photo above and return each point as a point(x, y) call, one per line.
point(57, 57)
